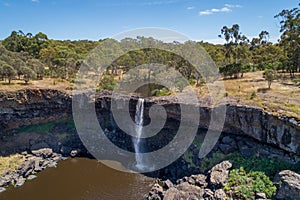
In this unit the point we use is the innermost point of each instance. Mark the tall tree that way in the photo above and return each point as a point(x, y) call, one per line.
point(9, 72)
point(290, 38)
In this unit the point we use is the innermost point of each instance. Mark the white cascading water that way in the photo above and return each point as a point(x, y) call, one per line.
point(139, 130)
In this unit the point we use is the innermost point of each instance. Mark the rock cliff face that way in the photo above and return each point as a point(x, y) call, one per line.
point(280, 132)
point(26, 107)
point(32, 106)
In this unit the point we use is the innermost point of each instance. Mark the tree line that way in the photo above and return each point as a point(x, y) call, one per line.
point(27, 56)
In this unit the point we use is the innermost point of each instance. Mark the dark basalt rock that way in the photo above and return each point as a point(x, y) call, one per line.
point(33, 163)
point(32, 106)
point(194, 187)
point(288, 184)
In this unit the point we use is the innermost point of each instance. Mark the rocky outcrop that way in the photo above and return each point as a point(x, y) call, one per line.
point(35, 162)
point(219, 174)
point(206, 187)
point(288, 184)
point(61, 138)
point(32, 106)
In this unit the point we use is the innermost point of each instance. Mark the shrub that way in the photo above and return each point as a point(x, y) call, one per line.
point(108, 82)
point(253, 95)
point(160, 92)
point(246, 184)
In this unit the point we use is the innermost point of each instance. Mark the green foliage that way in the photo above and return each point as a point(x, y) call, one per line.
point(263, 164)
point(246, 184)
point(39, 128)
point(214, 159)
point(160, 92)
point(290, 40)
point(249, 175)
point(270, 76)
point(296, 80)
point(232, 70)
point(107, 82)
point(47, 127)
point(188, 157)
point(8, 72)
point(253, 95)
point(28, 74)
point(192, 81)
point(19, 41)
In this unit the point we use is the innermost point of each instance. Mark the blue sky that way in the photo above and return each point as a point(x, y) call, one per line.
point(92, 19)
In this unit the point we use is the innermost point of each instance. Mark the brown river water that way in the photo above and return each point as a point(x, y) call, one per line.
point(81, 179)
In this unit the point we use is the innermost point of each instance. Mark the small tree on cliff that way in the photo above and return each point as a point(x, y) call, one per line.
point(270, 76)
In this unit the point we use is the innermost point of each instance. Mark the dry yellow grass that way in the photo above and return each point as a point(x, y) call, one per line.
point(11, 162)
point(282, 99)
point(46, 83)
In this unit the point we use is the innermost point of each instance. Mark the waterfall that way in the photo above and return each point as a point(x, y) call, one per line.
point(139, 130)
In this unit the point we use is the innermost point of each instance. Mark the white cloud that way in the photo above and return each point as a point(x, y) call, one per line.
point(227, 8)
point(233, 6)
point(35, 1)
point(190, 8)
point(215, 10)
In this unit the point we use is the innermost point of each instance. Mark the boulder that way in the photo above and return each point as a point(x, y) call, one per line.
point(220, 195)
point(74, 153)
point(218, 175)
point(200, 180)
point(184, 191)
point(288, 185)
point(31, 177)
point(156, 193)
point(45, 153)
point(260, 195)
point(2, 189)
point(227, 148)
point(19, 182)
point(40, 145)
point(167, 184)
point(172, 194)
point(26, 168)
point(208, 194)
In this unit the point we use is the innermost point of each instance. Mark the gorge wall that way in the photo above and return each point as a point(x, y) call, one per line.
point(26, 107)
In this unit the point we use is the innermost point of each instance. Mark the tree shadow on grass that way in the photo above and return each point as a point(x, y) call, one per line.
point(24, 84)
point(5, 83)
point(263, 90)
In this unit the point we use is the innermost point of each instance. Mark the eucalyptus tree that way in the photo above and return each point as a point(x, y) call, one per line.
point(8, 72)
point(28, 74)
point(270, 76)
point(290, 38)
